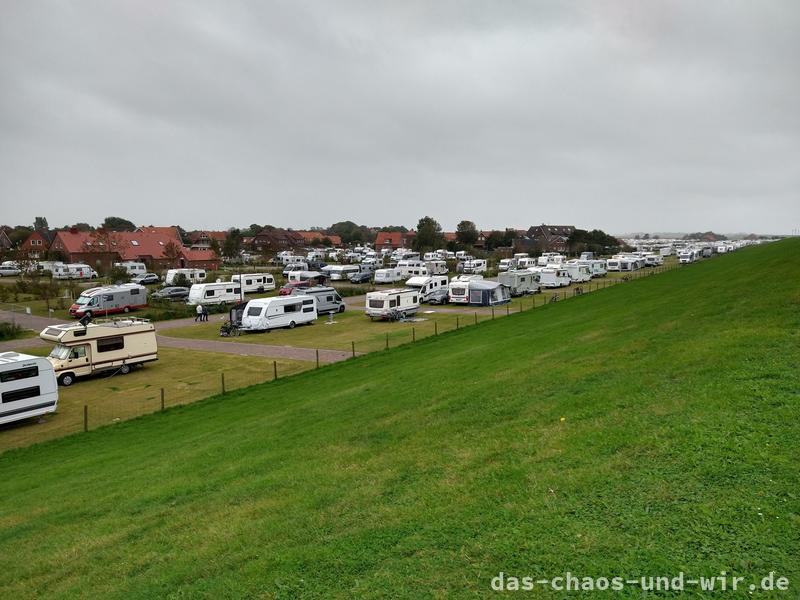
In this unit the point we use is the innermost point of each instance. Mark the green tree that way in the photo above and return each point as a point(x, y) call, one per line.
point(214, 247)
point(117, 224)
point(40, 223)
point(232, 247)
point(429, 235)
point(467, 233)
point(173, 253)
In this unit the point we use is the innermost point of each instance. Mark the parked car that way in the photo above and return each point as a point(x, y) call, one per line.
point(171, 293)
point(8, 271)
point(146, 279)
point(361, 277)
point(286, 289)
point(438, 296)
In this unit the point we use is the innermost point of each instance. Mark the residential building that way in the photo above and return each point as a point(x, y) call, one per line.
point(550, 238)
point(392, 240)
point(202, 240)
point(275, 239)
point(37, 244)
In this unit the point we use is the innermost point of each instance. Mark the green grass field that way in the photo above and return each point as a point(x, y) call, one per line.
point(646, 429)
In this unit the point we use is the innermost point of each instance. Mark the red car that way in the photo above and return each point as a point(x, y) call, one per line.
point(288, 287)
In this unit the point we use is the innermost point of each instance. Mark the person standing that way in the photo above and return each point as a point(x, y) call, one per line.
point(198, 313)
point(205, 314)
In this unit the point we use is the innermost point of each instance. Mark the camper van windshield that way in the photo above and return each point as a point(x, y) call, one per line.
point(60, 352)
point(83, 300)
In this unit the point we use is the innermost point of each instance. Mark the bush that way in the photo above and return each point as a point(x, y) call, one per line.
point(10, 331)
point(118, 274)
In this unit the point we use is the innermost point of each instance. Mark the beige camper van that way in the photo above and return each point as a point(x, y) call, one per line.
point(103, 345)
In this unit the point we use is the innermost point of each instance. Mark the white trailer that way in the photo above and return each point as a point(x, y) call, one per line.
point(553, 277)
point(222, 292)
point(519, 282)
point(263, 314)
point(458, 290)
point(392, 304)
point(192, 275)
point(550, 258)
point(427, 285)
point(76, 271)
point(28, 387)
point(410, 268)
point(133, 268)
point(388, 276)
point(107, 344)
point(687, 256)
point(507, 264)
point(340, 272)
point(526, 262)
point(254, 282)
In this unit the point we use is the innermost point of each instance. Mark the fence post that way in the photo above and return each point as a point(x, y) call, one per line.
point(435, 328)
point(162, 398)
point(274, 370)
point(508, 309)
point(493, 313)
point(456, 321)
point(387, 340)
point(353, 347)
point(476, 318)
point(85, 417)
point(413, 335)
point(318, 358)
point(222, 381)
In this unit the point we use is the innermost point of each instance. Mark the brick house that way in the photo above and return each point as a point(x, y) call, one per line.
point(274, 240)
point(202, 240)
point(311, 238)
point(392, 240)
point(550, 238)
point(37, 244)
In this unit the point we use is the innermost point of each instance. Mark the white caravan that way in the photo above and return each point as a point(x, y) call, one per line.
point(76, 271)
point(28, 387)
point(597, 267)
point(315, 255)
point(553, 277)
point(526, 262)
point(686, 256)
point(254, 282)
point(519, 282)
point(305, 276)
point(340, 272)
point(458, 290)
point(578, 273)
point(436, 267)
point(388, 276)
point(133, 268)
point(287, 258)
point(263, 314)
point(474, 266)
point(107, 344)
point(192, 275)
point(223, 292)
point(391, 304)
point(409, 268)
point(430, 256)
point(426, 285)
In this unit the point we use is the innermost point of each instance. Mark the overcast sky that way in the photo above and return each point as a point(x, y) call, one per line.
point(626, 115)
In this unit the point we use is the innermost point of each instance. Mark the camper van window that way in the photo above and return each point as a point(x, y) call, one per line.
point(290, 308)
point(79, 332)
point(376, 303)
point(22, 394)
point(329, 298)
point(392, 303)
point(413, 299)
point(78, 352)
point(308, 309)
point(59, 351)
point(108, 297)
point(134, 291)
point(110, 344)
point(53, 331)
point(309, 301)
point(209, 293)
point(229, 290)
point(18, 374)
point(253, 311)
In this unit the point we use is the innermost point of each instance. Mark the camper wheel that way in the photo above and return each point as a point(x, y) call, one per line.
point(291, 324)
point(341, 308)
point(126, 310)
point(125, 369)
point(67, 379)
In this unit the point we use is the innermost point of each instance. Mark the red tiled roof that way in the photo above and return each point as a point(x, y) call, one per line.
point(314, 236)
point(170, 231)
point(220, 236)
point(130, 245)
point(199, 255)
point(395, 238)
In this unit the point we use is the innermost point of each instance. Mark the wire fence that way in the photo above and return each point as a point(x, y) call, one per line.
point(112, 398)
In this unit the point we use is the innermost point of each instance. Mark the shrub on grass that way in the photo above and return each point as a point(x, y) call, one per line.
point(10, 331)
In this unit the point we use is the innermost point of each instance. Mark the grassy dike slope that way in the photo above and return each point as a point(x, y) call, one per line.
point(425, 470)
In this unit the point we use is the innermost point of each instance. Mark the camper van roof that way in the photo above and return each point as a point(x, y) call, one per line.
point(14, 357)
point(483, 284)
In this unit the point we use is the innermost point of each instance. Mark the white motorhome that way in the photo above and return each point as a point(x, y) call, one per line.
point(550, 258)
point(315, 255)
point(263, 314)
point(392, 304)
point(221, 292)
point(254, 282)
point(426, 285)
point(57, 268)
point(388, 276)
point(328, 299)
point(106, 344)
point(474, 266)
point(552, 277)
point(686, 256)
point(76, 271)
point(526, 262)
point(507, 264)
point(436, 267)
point(340, 272)
point(133, 268)
point(192, 275)
point(305, 276)
point(519, 282)
point(410, 268)
point(109, 299)
point(652, 259)
point(28, 387)
point(430, 256)
point(597, 267)
point(578, 273)
point(287, 258)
